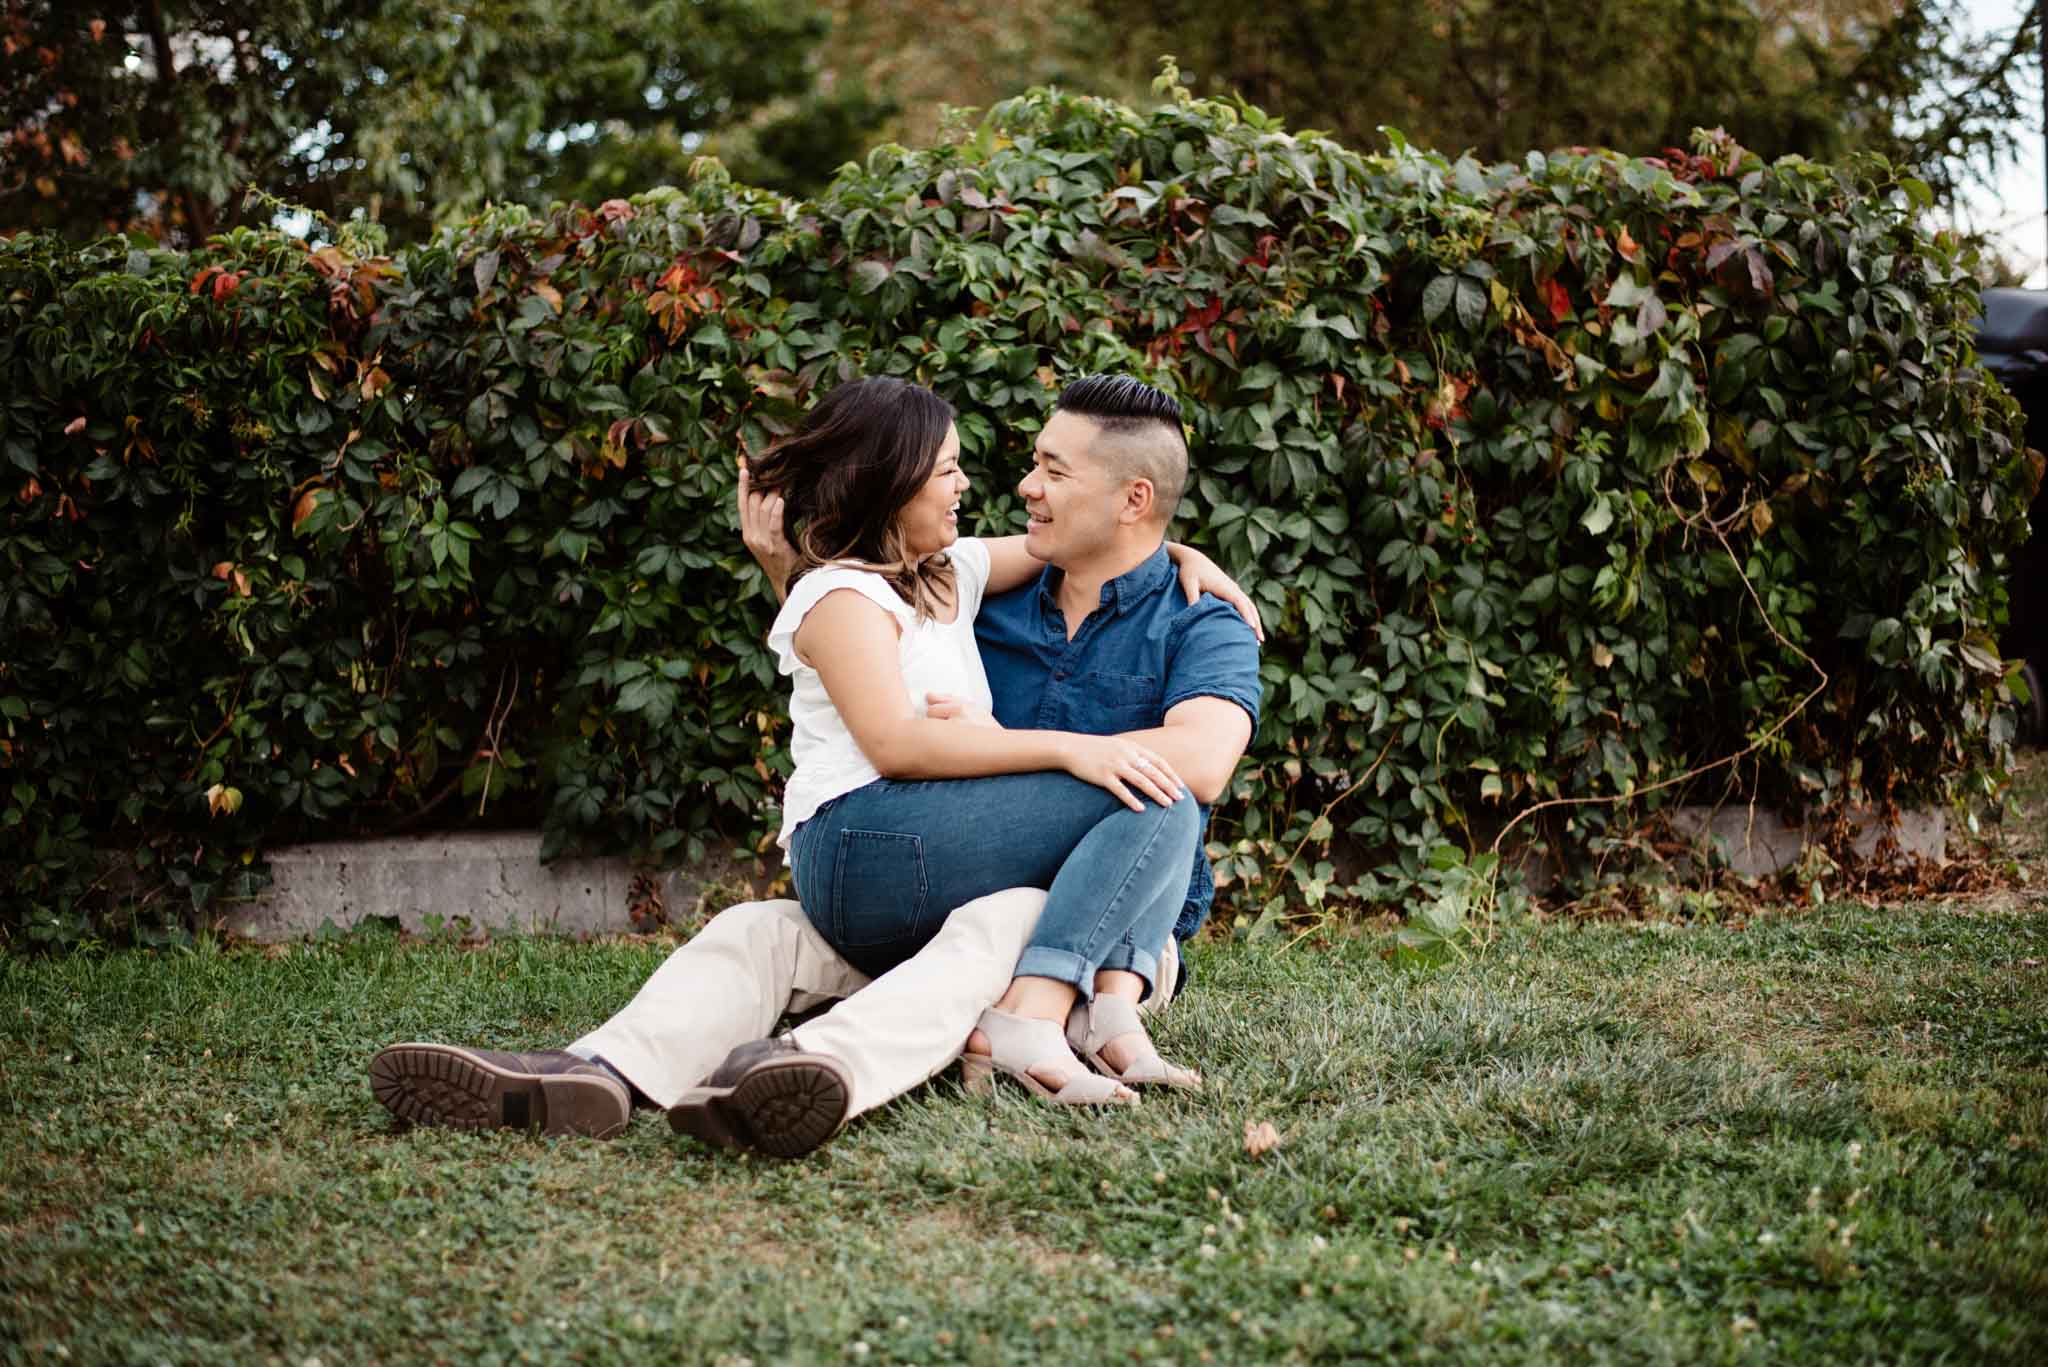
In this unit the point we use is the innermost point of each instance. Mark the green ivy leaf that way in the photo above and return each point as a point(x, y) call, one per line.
point(869, 276)
point(1471, 304)
point(1437, 296)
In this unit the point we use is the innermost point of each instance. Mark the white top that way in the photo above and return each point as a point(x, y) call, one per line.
point(937, 657)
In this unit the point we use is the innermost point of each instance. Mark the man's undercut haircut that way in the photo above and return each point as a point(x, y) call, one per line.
point(1140, 434)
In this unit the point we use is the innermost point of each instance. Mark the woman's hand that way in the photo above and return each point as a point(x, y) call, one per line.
point(761, 530)
point(1121, 766)
point(946, 707)
point(1199, 575)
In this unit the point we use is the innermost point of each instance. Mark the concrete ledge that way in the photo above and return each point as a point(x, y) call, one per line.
point(495, 880)
point(1757, 843)
point(484, 880)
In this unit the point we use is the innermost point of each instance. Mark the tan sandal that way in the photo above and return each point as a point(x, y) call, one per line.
point(1018, 1044)
point(1093, 1028)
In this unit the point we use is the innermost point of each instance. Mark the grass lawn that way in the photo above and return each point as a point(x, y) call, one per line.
point(1819, 1134)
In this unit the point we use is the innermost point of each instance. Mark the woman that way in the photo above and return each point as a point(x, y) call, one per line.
point(878, 618)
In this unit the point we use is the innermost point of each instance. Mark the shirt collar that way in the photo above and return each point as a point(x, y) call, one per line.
point(1131, 587)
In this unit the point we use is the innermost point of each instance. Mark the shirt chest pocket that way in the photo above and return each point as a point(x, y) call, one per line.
point(1130, 702)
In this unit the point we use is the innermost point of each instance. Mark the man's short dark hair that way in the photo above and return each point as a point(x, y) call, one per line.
point(1141, 436)
point(1119, 398)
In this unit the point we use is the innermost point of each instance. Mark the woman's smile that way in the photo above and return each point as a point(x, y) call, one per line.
point(931, 520)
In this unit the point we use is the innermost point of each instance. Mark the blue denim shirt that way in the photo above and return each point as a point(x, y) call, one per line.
point(1144, 651)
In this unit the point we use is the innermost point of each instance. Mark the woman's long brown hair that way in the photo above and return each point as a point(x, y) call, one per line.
point(845, 475)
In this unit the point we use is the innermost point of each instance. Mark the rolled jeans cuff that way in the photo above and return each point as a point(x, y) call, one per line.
point(1128, 958)
point(1063, 966)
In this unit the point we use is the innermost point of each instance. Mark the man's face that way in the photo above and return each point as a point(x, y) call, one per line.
point(1073, 502)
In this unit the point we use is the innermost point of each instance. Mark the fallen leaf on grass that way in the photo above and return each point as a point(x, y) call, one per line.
point(1260, 1138)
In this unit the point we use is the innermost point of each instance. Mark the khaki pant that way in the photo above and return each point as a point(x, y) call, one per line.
point(757, 960)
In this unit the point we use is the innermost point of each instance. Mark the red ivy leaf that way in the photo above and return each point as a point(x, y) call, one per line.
point(1560, 303)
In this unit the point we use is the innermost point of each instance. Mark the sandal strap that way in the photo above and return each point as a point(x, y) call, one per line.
point(1113, 1018)
point(1109, 1017)
point(1088, 1088)
point(1077, 1027)
point(1012, 1037)
point(1023, 1045)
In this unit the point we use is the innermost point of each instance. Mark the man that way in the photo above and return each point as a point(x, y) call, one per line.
point(1101, 643)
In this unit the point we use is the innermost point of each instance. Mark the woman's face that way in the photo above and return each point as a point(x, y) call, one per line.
point(931, 520)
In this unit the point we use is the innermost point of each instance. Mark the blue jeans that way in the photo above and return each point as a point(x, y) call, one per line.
point(879, 869)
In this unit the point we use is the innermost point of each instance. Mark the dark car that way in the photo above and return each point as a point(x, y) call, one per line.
point(2012, 338)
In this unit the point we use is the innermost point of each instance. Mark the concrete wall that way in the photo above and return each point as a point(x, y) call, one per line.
point(495, 880)
point(489, 880)
point(1756, 843)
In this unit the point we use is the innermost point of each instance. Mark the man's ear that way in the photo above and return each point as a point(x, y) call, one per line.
point(1139, 499)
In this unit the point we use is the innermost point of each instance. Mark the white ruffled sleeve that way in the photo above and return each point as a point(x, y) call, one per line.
point(971, 568)
point(812, 588)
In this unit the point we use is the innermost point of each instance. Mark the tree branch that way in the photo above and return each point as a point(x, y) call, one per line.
point(1487, 100)
point(166, 65)
point(198, 221)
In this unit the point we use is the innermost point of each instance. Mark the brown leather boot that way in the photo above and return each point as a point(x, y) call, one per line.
point(482, 1089)
point(769, 1096)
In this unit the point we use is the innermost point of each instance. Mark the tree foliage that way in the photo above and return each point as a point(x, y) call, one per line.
point(930, 55)
point(1821, 78)
point(1926, 93)
point(1559, 478)
point(153, 115)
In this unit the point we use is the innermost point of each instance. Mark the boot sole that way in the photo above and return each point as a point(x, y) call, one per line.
point(784, 1107)
point(438, 1084)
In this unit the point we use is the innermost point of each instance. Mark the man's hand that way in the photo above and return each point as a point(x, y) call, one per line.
point(761, 530)
point(946, 707)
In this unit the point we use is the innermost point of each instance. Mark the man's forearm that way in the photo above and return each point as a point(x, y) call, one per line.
point(1204, 764)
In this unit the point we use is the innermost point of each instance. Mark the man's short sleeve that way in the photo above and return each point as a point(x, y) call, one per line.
point(1213, 654)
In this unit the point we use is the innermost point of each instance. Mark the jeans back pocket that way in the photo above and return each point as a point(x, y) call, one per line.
point(879, 890)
